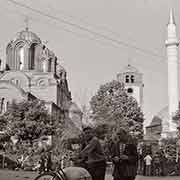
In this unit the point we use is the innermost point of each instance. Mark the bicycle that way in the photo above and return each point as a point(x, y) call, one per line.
point(52, 175)
point(60, 174)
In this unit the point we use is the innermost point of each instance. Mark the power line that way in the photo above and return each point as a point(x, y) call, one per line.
point(122, 43)
point(81, 35)
point(70, 31)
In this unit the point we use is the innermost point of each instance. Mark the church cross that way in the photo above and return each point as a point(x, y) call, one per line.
point(27, 23)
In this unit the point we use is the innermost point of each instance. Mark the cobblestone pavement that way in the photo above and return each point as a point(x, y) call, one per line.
point(25, 175)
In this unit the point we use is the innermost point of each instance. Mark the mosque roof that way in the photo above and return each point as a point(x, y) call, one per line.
point(156, 121)
point(27, 35)
point(163, 113)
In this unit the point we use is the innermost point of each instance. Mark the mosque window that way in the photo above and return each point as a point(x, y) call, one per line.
point(132, 78)
point(127, 79)
point(130, 90)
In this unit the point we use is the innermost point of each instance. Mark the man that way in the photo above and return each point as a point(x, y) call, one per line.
point(49, 161)
point(148, 162)
point(124, 157)
point(94, 155)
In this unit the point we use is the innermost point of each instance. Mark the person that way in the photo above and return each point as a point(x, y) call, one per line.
point(148, 160)
point(49, 161)
point(93, 154)
point(156, 164)
point(42, 167)
point(124, 157)
point(162, 162)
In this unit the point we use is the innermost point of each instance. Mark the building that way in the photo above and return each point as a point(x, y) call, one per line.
point(32, 71)
point(168, 127)
point(133, 82)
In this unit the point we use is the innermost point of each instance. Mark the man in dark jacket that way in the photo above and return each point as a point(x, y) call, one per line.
point(94, 155)
point(124, 157)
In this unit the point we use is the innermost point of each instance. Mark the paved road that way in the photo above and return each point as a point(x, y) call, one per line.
point(25, 175)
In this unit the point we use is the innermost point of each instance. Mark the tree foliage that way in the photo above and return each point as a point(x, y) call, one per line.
point(29, 120)
point(111, 105)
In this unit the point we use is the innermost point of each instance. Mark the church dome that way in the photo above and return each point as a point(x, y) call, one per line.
point(27, 35)
point(130, 69)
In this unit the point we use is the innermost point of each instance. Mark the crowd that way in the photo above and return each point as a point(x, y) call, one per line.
point(126, 159)
point(157, 164)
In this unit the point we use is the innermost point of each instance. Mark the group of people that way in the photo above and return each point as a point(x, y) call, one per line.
point(123, 154)
point(92, 157)
point(154, 164)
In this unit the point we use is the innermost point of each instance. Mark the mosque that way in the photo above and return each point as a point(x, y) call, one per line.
point(32, 71)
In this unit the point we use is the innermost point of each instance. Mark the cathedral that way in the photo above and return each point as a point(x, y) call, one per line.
point(32, 71)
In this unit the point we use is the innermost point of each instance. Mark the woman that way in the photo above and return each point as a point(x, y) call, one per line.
point(124, 157)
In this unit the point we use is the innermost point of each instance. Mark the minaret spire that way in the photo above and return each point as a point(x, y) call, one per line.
point(171, 17)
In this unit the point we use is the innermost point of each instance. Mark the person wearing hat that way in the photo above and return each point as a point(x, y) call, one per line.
point(94, 155)
point(124, 157)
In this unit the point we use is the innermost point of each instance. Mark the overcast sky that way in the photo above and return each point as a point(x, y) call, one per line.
point(137, 29)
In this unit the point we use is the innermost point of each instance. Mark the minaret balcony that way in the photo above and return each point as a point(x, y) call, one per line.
point(172, 42)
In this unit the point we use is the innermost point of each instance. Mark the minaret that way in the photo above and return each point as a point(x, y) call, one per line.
point(172, 44)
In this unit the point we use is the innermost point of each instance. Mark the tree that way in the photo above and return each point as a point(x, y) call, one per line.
point(111, 105)
point(29, 120)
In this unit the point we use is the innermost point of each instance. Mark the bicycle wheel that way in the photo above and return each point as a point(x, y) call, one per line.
point(47, 176)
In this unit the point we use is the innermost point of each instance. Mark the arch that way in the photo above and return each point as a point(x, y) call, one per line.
point(130, 90)
point(32, 56)
point(18, 78)
point(20, 55)
point(9, 56)
point(9, 85)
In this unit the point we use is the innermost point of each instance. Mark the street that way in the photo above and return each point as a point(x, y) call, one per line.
point(27, 175)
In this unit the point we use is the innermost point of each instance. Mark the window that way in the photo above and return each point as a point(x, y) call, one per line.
point(132, 78)
point(32, 57)
point(16, 81)
point(21, 58)
point(127, 79)
point(130, 90)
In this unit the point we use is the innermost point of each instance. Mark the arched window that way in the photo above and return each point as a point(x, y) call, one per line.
point(2, 105)
point(127, 79)
point(9, 57)
point(49, 65)
point(129, 90)
point(32, 57)
point(16, 81)
point(20, 58)
point(132, 78)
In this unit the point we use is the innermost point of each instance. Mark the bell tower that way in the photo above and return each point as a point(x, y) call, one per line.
point(133, 82)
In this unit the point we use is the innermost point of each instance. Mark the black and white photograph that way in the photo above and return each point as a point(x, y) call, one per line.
point(89, 89)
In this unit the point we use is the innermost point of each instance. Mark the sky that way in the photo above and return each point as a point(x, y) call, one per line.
point(95, 40)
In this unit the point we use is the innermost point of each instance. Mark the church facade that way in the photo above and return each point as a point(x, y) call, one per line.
point(32, 71)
